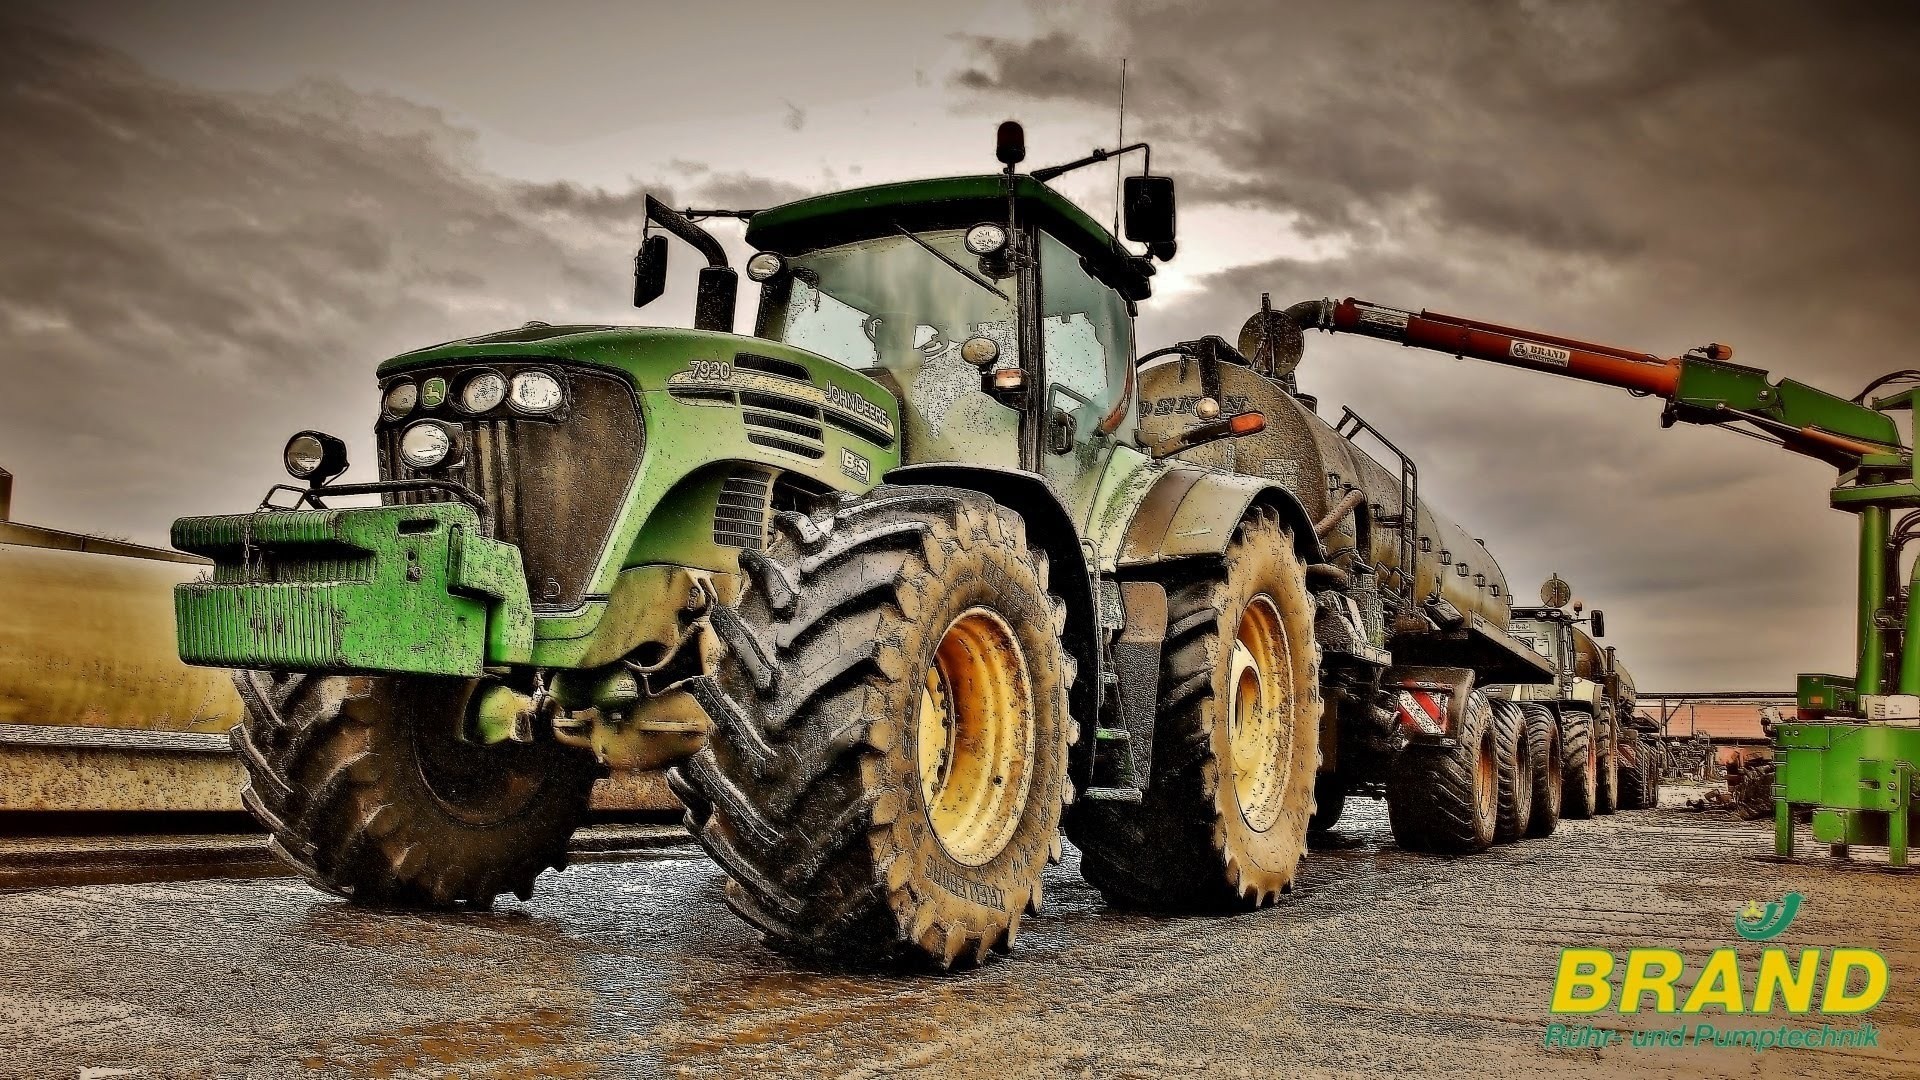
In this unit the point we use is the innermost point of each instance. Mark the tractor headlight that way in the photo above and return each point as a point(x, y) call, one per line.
point(536, 393)
point(986, 238)
point(765, 265)
point(315, 456)
point(400, 400)
point(426, 444)
point(483, 390)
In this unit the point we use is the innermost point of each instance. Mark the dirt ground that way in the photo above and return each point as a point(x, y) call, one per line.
point(1384, 964)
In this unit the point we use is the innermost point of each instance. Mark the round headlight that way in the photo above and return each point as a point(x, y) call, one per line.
point(536, 392)
point(400, 400)
point(304, 454)
point(986, 238)
point(315, 456)
point(980, 351)
point(483, 390)
point(426, 444)
point(765, 265)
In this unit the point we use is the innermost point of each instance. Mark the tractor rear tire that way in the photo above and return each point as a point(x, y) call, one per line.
point(1518, 766)
point(1607, 786)
point(1223, 822)
point(1549, 785)
point(887, 765)
point(367, 791)
point(1329, 802)
point(1580, 755)
point(1446, 799)
point(1632, 794)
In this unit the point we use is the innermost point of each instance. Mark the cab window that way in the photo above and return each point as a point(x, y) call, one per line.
point(1087, 338)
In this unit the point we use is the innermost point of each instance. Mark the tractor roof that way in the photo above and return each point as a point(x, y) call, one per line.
point(949, 203)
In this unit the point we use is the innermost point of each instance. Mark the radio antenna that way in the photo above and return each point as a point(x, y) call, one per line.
point(1119, 139)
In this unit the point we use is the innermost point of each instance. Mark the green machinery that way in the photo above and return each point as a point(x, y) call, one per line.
point(1854, 750)
point(929, 569)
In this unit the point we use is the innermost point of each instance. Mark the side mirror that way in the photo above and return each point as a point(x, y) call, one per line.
point(650, 271)
point(1149, 210)
point(1599, 623)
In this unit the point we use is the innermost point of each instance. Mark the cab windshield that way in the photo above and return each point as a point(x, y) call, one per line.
point(893, 310)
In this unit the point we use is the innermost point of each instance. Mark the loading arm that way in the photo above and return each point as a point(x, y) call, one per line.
point(1700, 387)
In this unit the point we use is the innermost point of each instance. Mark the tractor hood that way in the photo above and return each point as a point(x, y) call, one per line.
point(664, 358)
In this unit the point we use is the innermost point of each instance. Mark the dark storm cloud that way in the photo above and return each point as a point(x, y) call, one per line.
point(187, 275)
point(1655, 174)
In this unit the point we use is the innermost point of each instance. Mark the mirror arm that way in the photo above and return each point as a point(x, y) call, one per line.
point(1095, 158)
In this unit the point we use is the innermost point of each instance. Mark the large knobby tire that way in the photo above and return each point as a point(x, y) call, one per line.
point(888, 761)
point(1446, 799)
point(1543, 733)
point(1653, 755)
point(366, 790)
point(1329, 802)
point(1517, 769)
point(1633, 777)
point(1606, 798)
point(1580, 758)
point(1223, 822)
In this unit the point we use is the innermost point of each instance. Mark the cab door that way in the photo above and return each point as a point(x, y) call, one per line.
point(1086, 405)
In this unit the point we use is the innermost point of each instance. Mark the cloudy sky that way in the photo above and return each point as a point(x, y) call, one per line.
point(217, 216)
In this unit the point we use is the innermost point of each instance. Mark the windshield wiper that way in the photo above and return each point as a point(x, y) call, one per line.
point(942, 256)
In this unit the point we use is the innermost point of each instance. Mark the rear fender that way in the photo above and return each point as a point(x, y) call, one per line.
point(1192, 512)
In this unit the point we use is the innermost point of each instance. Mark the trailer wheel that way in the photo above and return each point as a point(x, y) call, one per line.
point(1517, 768)
point(1223, 822)
point(1632, 794)
point(1580, 753)
point(1606, 797)
point(1655, 754)
point(888, 760)
point(1543, 738)
point(1446, 799)
point(366, 790)
point(1329, 802)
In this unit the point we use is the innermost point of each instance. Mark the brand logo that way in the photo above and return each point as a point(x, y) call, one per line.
point(1838, 982)
point(1539, 354)
point(1756, 923)
point(855, 466)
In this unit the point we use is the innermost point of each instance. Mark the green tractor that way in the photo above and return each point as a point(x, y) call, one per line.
point(895, 584)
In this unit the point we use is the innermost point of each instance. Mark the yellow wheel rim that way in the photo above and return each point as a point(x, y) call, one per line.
point(1260, 714)
point(976, 737)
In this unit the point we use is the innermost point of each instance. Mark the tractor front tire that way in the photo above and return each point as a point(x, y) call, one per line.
point(1549, 785)
point(1446, 799)
point(1223, 822)
point(1580, 757)
point(888, 761)
point(1518, 766)
point(366, 789)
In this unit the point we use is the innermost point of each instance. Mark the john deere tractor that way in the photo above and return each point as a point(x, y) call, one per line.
point(892, 583)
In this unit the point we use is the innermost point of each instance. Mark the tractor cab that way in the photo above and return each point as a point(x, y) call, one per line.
point(997, 312)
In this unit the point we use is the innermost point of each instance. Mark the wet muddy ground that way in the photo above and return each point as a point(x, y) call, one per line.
point(1384, 964)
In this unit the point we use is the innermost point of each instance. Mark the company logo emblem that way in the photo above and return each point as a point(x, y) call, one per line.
point(1756, 923)
point(1540, 354)
point(855, 466)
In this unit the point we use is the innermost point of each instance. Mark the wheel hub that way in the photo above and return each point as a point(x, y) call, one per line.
point(1260, 714)
point(976, 733)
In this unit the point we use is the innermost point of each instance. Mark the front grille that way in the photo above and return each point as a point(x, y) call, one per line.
point(553, 488)
point(740, 514)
